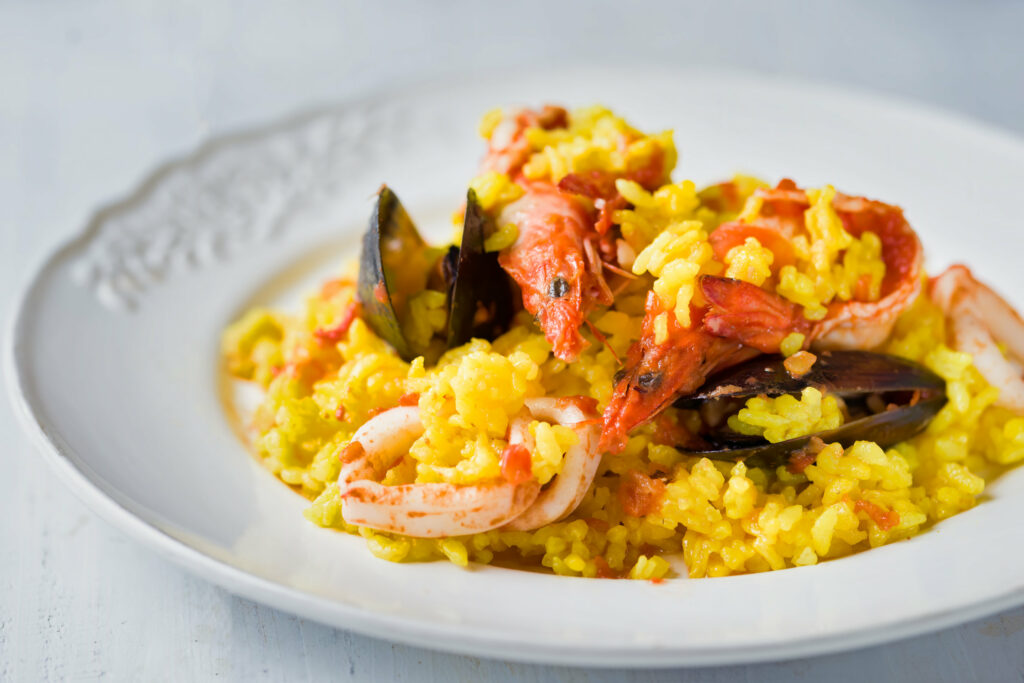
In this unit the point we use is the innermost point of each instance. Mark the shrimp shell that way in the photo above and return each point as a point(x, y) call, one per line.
point(559, 277)
point(979, 319)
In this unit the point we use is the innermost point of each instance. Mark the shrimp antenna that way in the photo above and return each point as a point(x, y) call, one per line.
point(619, 271)
point(601, 338)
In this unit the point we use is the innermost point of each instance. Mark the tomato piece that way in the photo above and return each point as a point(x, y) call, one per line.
point(639, 494)
point(668, 432)
point(332, 335)
point(603, 570)
point(885, 519)
point(353, 451)
point(516, 465)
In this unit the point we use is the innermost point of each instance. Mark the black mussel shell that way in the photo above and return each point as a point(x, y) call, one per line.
point(396, 262)
point(887, 428)
point(914, 395)
point(845, 373)
point(481, 298)
point(387, 261)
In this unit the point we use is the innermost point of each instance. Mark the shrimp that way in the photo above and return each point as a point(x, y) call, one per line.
point(432, 510)
point(600, 187)
point(745, 319)
point(849, 324)
point(564, 493)
point(750, 315)
point(979, 319)
point(741, 314)
point(658, 373)
point(866, 324)
point(508, 149)
point(438, 510)
point(556, 268)
point(564, 244)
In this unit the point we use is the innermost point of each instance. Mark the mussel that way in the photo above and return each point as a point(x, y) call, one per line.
point(396, 262)
point(888, 400)
point(481, 295)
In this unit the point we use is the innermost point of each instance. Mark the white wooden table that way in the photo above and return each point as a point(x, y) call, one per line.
point(91, 97)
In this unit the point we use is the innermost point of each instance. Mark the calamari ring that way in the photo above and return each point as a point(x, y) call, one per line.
point(564, 493)
point(434, 510)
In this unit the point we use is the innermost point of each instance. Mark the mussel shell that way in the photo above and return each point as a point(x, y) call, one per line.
point(388, 243)
point(481, 300)
point(396, 262)
point(886, 429)
point(845, 373)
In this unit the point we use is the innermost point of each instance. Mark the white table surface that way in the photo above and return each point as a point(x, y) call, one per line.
point(92, 96)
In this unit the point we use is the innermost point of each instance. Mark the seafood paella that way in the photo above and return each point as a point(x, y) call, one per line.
point(611, 373)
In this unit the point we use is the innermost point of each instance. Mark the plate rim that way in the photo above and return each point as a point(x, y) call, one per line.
point(450, 638)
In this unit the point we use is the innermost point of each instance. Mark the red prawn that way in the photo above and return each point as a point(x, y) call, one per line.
point(848, 324)
point(508, 149)
point(741, 319)
point(562, 248)
point(658, 373)
point(558, 272)
point(600, 187)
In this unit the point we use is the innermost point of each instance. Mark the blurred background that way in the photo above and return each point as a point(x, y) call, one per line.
point(93, 95)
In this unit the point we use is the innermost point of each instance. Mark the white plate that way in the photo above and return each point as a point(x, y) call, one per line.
point(113, 365)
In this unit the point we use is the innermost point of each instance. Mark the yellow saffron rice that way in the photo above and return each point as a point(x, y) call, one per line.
point(721, 518)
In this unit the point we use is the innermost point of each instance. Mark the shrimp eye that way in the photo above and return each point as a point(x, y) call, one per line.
point(649, 381)
point(619, 375)
point(558, 287)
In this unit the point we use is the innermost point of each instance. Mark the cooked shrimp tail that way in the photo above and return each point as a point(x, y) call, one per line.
point(750, 315)
point(866, 324)
point(979, 321)
point(508, 148)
